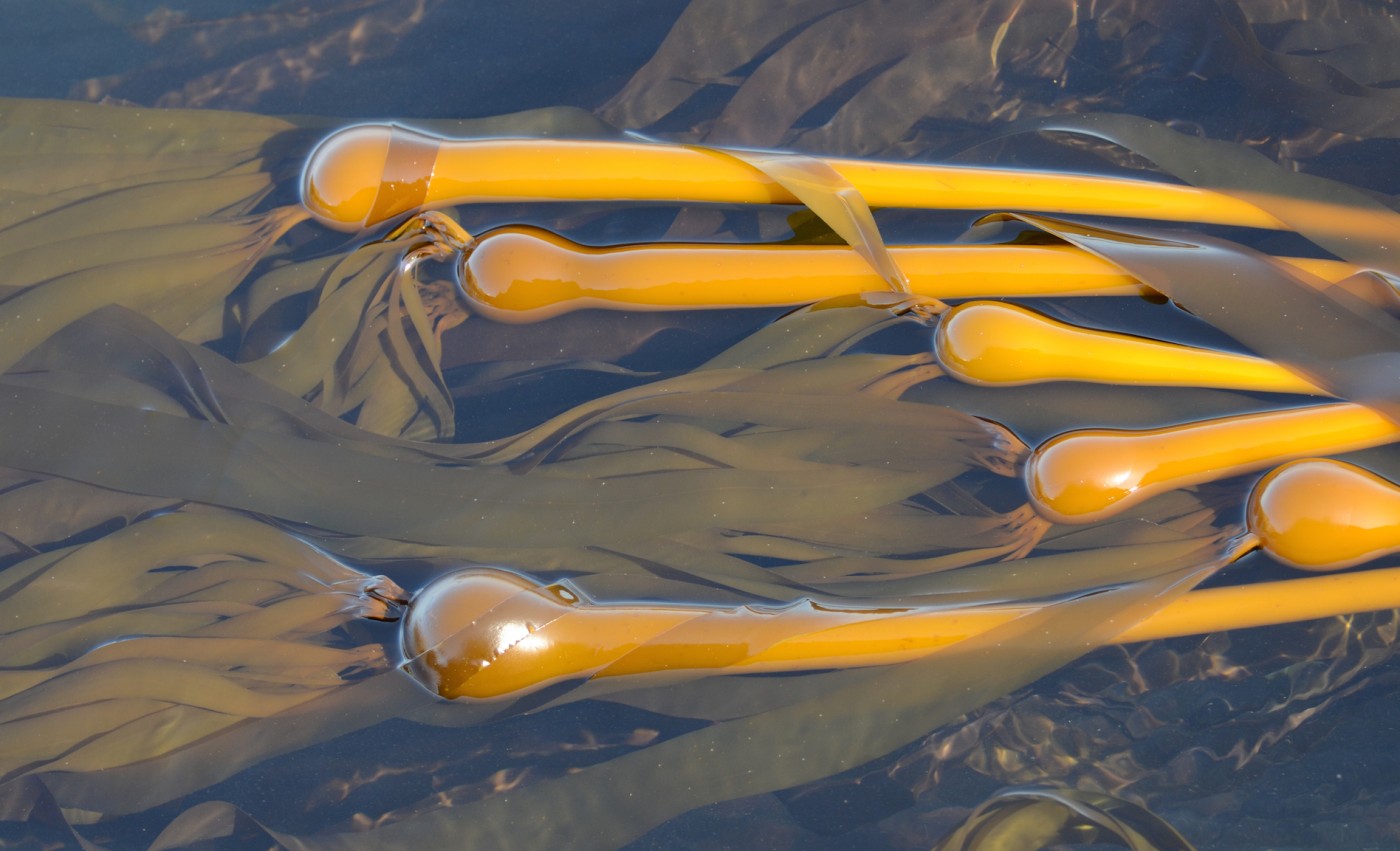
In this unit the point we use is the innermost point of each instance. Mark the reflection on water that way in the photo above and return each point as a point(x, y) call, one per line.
point(236, 443)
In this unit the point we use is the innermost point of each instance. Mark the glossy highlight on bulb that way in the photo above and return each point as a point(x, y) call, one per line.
point(1087, 475)
point(363, 175)
point(1323, 514)
point(989, 343)
point(526, 274)
point(486, 633)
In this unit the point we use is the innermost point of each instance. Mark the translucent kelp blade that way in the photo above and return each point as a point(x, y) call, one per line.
point(138, 786)
point(471, 507)
point(709, 42)
point(1344, 220)
point(1342, 344)
point(340, 489)
point(108, 700)
point(846, 727)
point(952, 78)
point(45, 511)
point(30, 801)
point(123, 211)
point(177, 289)
point(886, 32)
point(1306, 86)
point(834, 200)
point(46, 127)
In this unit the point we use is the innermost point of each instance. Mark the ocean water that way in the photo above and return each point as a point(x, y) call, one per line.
point(240, 441)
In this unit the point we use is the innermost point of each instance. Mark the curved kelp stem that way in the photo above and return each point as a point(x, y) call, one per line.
point(214, 602)
point(522, 274)
point(364, 175)
point(1340, 343)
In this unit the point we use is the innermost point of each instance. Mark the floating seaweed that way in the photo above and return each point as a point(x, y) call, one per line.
point(232, 439)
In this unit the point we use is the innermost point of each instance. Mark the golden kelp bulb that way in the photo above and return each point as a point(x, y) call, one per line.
point(1321, 514)
point(524, 274)
point(363, 175)
point(1087, 475)
point(488, 633)
point(990, 343)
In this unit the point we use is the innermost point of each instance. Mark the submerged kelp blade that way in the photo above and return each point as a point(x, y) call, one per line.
point(1340, 343)
point(1340, 218)
point(95, 699)
point(846, 727)
point(706, 45)
point(833, 199)
point(363, 487)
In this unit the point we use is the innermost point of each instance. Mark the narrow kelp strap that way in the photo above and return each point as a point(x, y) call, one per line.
point(525, 274)
point(1348, 347)
point(344, 177)
point(623, 798)
point(340, 489)
point(1342, 219)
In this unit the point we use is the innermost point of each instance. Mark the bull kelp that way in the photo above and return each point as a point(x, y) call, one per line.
point(590, 504)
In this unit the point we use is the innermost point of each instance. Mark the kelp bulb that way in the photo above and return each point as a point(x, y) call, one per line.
point(1321, 514)
point(1088, 475)
point(992, 343)
point(462, 623)
point(366, 174)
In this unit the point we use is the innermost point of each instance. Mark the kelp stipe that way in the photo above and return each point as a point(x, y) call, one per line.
point(488, 634)
point(1088, 475)
point(525, 274)
point(365, 175)
point(996, 344)
point(1325, 515)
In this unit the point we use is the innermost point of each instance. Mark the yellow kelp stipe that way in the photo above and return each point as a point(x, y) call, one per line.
point(364, 175)
point(1088, 475)
point(486, 633)
point(1321, 514)
point(520, 274)
point(990, 343)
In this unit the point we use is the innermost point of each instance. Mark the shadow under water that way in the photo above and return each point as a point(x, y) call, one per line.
point(237, 448)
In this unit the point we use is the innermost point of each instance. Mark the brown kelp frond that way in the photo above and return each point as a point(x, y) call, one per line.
point(371, 350)
point(1249, 295)
point(871, 78)
point(237, 619)
point(876, 711)
point(1343, 219)
point(158, 220)
point(434, 499)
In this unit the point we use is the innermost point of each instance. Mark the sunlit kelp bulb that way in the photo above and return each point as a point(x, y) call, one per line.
point(363, 175)
point(519, 274)
point(1321, 514)
point(989, 343)
point(487, 633)
point(525, 274)
point(1087, 475)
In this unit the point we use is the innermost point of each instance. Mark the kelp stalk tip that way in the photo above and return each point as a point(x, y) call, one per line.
point(364, 175)
point(525, 274)
point(995, 344)
point(488, 633)
point(1087, 475)
point(1322, 514)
